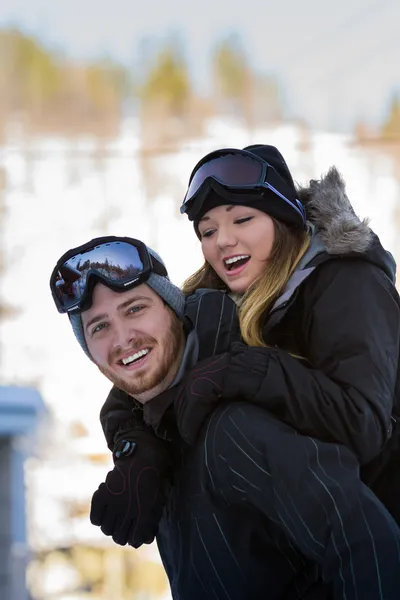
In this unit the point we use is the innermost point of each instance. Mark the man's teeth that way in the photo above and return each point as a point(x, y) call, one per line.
point(230, 261)
point(136, 356)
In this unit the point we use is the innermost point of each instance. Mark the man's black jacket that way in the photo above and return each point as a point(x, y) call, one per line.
point(186, 503)
point(340, 311)
point(345, 318)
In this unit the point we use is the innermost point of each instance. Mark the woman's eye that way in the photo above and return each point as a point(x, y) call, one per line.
point(207, 233)
point(243, 220)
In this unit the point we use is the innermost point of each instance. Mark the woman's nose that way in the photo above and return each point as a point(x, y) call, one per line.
point(226, 238)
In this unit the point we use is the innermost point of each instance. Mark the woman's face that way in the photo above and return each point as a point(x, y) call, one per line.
point(237, 243)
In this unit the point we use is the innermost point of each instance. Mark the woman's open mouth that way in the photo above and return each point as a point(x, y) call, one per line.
point(235, 264)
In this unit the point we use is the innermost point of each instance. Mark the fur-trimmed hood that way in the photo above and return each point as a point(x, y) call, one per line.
point(336, 232)
point(329, 210)
point(339, 230)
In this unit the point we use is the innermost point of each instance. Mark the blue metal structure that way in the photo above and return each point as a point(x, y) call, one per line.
point(20, 410)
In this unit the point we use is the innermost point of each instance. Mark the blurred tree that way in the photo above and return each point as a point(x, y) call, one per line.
point(233, 79)
point(166, 115)
point(30, 76)
point(45, 92)
point(91, 98)
point(391, 127)
point(168, 82)
point(230, 72)
point(230, 68)
point(165, 96)
point(238, 90)
point(361, 131)
point(268, 101)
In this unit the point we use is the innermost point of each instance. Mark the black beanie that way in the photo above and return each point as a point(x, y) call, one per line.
point(268, 201)
point(273, 157)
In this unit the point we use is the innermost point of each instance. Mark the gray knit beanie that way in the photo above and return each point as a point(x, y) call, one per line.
point(162, 286)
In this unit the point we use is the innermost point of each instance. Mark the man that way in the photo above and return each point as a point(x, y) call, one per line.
point(249, 505)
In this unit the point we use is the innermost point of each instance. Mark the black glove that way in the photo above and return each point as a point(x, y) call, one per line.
point(246, 372)
point(119, 410)
point(234, 376)
point(197, 395)
point(129, 505)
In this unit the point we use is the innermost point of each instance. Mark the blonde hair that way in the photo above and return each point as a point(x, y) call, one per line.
point(205, 277)
point(289, 247)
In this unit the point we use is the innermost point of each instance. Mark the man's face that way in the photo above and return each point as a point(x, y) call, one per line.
point(135, 339)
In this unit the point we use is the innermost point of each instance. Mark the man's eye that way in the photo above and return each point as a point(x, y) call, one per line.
point(208, 233)
point(136, 309)
point(243, 220)
point(99, 328)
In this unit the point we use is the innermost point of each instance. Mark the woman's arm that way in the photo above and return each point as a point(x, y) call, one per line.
point(351, 334)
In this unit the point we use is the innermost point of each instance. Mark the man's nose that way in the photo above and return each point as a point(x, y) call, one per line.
point(124, 335)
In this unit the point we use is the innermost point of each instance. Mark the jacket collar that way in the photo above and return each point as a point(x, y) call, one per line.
point(154, 410)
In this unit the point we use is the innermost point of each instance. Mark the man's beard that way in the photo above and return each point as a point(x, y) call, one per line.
point(144, 380)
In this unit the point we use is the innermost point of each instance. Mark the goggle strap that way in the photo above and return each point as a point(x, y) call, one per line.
point(157, 267)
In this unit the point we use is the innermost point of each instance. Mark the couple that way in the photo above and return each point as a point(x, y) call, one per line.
point(252, 418)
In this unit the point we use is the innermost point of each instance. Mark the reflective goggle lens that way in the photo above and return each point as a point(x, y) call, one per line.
point(229, 169)
point(118, 262)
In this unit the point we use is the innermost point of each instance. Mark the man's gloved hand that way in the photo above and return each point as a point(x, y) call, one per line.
point(129, 504)
point(119, 408)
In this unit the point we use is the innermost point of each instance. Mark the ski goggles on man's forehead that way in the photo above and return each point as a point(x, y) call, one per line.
point(119, 263)
point(236, 171)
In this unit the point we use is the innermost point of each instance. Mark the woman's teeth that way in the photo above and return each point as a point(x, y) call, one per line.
point(231, 262)
point(134, 357)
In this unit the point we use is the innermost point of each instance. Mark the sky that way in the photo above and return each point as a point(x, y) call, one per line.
point(337, 62)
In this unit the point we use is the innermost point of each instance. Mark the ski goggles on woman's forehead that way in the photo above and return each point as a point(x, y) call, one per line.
point(119, 263)
point(236, 171)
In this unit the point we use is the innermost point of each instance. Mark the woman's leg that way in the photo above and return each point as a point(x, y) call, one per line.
point(312, 490)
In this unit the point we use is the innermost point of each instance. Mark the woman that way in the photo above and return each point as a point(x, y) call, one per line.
point(321, 290)
point(325, 362)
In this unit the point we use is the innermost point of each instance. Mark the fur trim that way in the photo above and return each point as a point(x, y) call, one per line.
point(329, 210)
